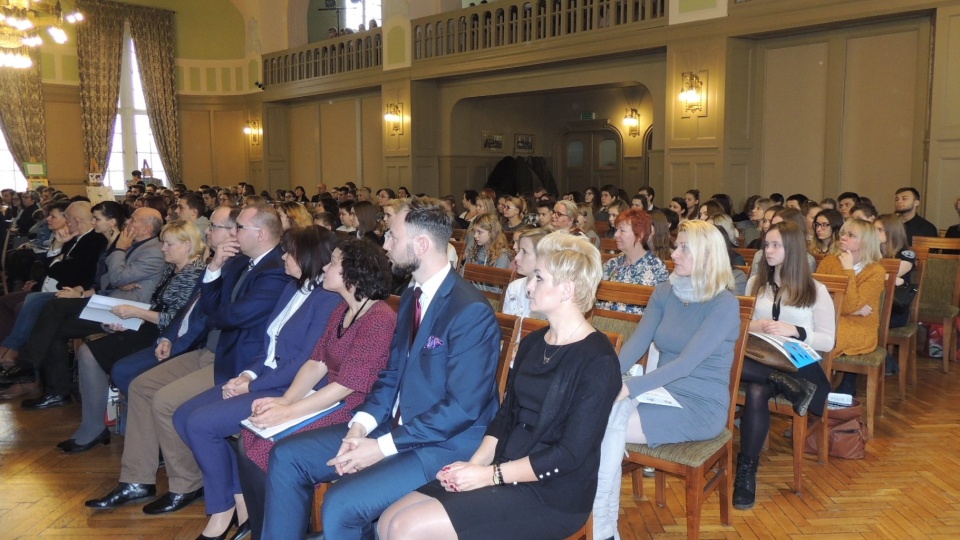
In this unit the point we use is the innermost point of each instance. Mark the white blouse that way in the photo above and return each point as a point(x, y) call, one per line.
point(818, 320)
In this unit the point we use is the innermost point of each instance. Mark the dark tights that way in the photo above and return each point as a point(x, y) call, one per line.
point(755, 421)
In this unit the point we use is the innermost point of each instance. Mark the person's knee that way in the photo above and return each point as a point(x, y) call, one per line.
point(399, 525)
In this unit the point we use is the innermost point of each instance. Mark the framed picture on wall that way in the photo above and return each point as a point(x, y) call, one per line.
point(491, 142)
point(523, 143)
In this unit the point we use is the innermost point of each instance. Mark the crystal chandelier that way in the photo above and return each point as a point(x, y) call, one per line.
point(20, 25)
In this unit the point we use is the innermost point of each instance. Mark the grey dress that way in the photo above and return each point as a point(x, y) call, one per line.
point(696, 343)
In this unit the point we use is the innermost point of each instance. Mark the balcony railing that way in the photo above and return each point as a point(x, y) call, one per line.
point(511, 22)
point(344, 54)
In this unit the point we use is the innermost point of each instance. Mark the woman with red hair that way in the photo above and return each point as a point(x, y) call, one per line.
point(635, 264)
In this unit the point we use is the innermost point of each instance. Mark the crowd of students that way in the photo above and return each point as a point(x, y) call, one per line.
point(257, 310)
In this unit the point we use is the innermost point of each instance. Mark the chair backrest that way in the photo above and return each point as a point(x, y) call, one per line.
point(607, 255)
point(602, 227)
point(837, 287)
point(509, 326)
point(919, 272)
point(669, 264)
point(942, 270)
point(892, 268)
point(394, 302)
point(524, 327)
point(818, 257)
point(609, 245)
point(490, 276)
point(739, 350)
point(458, 234)
point(618, 321)
point(747, 254)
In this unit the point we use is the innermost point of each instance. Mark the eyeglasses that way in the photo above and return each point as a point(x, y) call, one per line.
point(559, 214)
point(821, 225)
point(244, 227)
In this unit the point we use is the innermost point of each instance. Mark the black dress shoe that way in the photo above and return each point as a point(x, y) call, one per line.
point(223, 535)
point(243, 531)
point(71, 446)
point(45, 401)
point(171, 502)
point(18, 374)
point(123, 494)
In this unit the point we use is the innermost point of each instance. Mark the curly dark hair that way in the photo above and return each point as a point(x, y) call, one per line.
point(312, 248)
point(366, 267)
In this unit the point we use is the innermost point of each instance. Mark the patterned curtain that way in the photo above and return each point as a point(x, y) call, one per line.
point(153, 39)
point(100, 48)
point(21, 112)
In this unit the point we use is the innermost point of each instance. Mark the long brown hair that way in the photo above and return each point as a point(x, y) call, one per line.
point(896, 235)
point(490, 222)
point(797, 287)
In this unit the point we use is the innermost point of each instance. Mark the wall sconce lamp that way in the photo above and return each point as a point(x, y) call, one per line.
point(632, 121)
point(394, 118)
point(691, 92)
point(254, 131)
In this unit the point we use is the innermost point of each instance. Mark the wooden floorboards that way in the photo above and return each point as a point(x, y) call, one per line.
point(908, 486)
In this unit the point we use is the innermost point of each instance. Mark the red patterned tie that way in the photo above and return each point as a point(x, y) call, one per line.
point(417, 312)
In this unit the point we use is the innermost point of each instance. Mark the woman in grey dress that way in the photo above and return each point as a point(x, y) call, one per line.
point(694, 320)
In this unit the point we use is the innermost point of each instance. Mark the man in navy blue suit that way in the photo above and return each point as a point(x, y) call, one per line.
point(238, 291)
point(429, 407)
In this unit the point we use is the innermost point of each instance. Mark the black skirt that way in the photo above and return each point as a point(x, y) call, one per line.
point(512, 511)
point(111, 348)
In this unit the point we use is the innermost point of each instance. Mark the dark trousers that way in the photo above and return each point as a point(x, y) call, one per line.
point(352, 504)
point(253, 483)
point(47, 348)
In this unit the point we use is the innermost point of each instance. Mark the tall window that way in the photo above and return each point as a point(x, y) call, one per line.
point(358, 13)
point(10, 176)
point(132, 138)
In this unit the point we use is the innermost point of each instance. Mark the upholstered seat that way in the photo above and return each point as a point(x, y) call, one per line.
point(690, 454)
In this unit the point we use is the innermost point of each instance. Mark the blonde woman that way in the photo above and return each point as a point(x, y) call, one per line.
point(516, 302)
point(293, 214)
point(514, 210)
point(860, 314)
point(531, 481)
point(694, 320)
point(486, 205)
point(586, 224)
point(487, 245)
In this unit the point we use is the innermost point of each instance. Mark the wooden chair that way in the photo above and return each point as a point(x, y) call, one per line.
point(669, 264)
point(491, 277)
point(394, 302)
point(904, 338)
point(619, 321)
point(694, 460)
point(460, 246)
point(458, 234)
point(509, 329)
point(747, 255)
point(941, 292)
point(872, 363)
point(836, 286)
point(609, 245)
point(602, 227)
point(818, 257)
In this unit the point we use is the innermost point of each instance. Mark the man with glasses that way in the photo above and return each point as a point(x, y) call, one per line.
point(238, 292)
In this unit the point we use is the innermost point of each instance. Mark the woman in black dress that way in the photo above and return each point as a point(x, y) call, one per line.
point(535, 473)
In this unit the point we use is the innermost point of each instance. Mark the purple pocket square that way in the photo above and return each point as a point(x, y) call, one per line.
point(433, 342)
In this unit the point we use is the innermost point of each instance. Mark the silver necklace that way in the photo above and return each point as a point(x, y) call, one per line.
point(546, 359)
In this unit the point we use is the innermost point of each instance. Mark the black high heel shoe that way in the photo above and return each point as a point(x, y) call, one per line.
point(71, 446)
point(223, 535)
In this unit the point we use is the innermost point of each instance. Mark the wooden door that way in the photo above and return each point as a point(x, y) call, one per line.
point(590, 158)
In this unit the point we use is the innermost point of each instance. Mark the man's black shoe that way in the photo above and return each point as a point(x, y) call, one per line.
point(45, 401)
point(17, 374)
point(171, 502)
point(123, 494)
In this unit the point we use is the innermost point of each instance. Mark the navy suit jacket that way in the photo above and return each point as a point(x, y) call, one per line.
point(446, 378)
point(298, 337)
point(244, 321)
point(196, 327)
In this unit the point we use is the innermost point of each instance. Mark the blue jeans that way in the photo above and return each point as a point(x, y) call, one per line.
point(32, 306)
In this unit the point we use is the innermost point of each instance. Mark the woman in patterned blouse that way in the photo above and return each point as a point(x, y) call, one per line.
point(635, 265)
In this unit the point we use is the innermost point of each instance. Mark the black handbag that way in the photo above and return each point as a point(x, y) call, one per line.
point(903, 297)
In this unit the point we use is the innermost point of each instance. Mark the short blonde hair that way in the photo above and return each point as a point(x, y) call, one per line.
point(184, 231)
point(573, 259)
point(869, 239)
point(711, 272)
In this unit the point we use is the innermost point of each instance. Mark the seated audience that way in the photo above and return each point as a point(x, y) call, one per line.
point(585, 223)
point(616, 208)
point(514, 210)
point(534, 475)
point(694, 320)
point(296, 325)
point(183, 250)
point(860, 314)
point(692, 198)
point(893, 245)
point(293, 215)
point(635, 264)
point(826, 229)
point(660, 243)
point(429, 407)
point(679, 205)
point(343, 366)
point(487, 246)
point(364, 217)
point(753, 235)
point(790, 303)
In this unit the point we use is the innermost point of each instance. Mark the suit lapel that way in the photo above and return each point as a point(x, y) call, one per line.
point(430, 317)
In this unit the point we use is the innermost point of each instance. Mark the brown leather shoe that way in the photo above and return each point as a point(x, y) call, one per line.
point(19, 390)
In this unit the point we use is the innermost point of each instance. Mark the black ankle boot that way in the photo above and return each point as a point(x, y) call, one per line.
point(745, 484)
point(799, 392)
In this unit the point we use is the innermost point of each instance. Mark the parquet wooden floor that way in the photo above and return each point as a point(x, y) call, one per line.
point(908, 486)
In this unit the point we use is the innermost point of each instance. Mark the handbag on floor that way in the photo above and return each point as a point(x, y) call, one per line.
point(847, 438)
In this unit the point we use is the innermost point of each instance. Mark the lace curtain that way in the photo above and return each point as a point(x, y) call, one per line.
point(21, 112)
point(100, 47)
